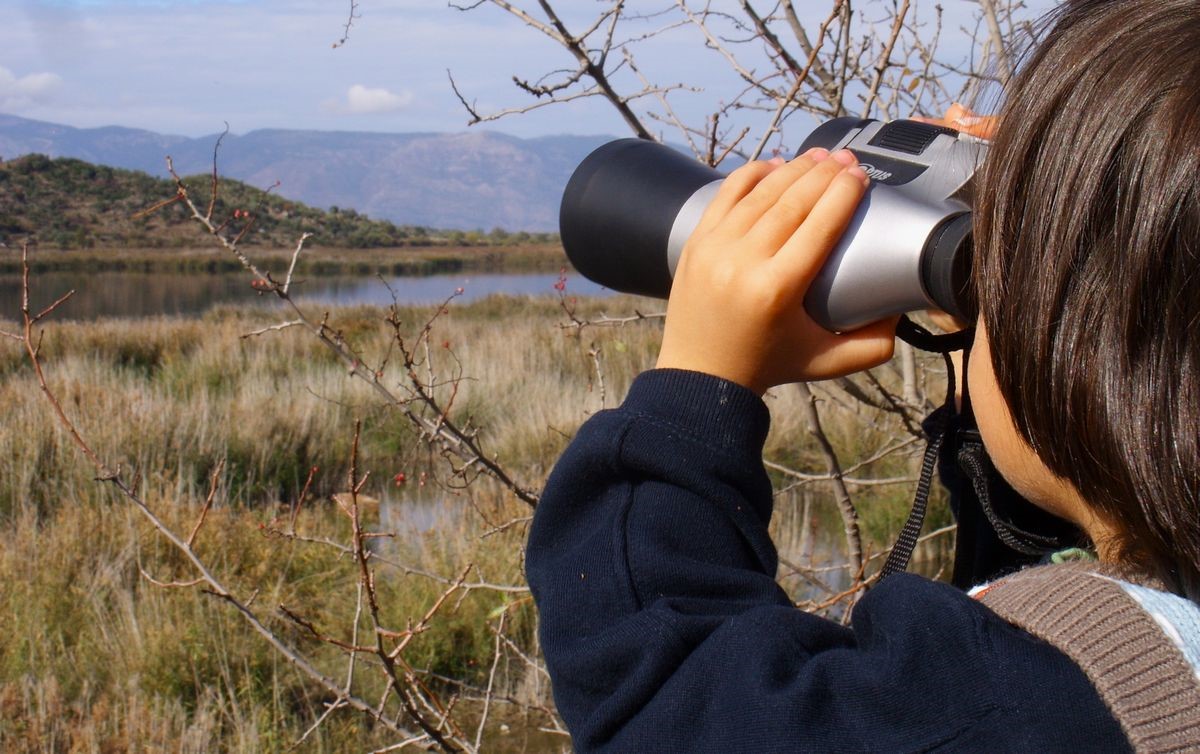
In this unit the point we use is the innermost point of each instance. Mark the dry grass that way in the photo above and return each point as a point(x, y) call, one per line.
point(99, 660)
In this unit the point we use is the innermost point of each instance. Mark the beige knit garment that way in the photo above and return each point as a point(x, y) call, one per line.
point(1149, 686)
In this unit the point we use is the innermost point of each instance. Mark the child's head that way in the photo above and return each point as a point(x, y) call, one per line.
point(1088, 268)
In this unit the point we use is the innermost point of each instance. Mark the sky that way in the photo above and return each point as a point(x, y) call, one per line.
point(187, 66)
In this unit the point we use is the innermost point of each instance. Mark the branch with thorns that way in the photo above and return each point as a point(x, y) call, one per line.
point(409, 707)
point(205, 577)
point(457, 442)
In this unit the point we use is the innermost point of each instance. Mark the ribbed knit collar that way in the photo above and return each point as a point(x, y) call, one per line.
point(1138, 644)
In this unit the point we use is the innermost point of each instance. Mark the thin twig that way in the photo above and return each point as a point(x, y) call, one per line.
point(274, 328)
point(487, 697)
point(214, 480)
point(802, 76)
point(169, 584)
point(351, 17)
point(287, 281)
point(212, 200)
point(885, 59)
point(808, 405)
point(205, 577)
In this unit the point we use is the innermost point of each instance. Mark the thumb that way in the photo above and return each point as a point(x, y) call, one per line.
point(868, 346)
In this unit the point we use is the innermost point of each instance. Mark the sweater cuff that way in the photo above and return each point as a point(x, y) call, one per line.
point(720, 412)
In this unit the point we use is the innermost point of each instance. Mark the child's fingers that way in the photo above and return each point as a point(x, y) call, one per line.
point(962, 118)
point(955, 112)
point(786, 214)
point(983, 126)
point(763, 197)
point(801, 256)
point(947, 322)
point(735, 186)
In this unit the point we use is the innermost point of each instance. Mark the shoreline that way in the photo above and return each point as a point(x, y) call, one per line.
point(407, 260)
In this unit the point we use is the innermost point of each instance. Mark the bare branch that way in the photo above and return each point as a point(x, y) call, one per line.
point(805, 478)
point(212, 200)
point(316, 634)
point(885, 59)
point(205, 577)
point(169, 584)
point(287, 281)
point(788, 100)
point(996, 43)
point(576, 45)
point(156, 207)
point(808, 405)
point(487, 697)
point(457, 441)
point(936, 533)
point(214, 480)
point(274, 328)
point(747, 75)
point(50, 309)
point(351, 17)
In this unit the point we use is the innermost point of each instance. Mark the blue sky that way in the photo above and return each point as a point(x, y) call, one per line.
point(185, 66)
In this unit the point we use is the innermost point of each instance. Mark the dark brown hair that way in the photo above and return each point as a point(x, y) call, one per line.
point(1087, 267)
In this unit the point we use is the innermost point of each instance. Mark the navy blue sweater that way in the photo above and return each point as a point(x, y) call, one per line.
point(664, 629)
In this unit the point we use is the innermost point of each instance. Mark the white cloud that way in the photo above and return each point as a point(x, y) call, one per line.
point(364, 100)
point(20, 92)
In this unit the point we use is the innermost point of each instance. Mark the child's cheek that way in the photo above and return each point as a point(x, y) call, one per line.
point(1009, 452)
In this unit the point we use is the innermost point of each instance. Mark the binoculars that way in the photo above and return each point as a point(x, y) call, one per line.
point(631, 205)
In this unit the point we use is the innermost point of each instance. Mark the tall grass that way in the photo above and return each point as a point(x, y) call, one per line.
point(97, 659)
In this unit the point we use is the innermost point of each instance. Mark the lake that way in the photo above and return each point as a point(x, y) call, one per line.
point(128, 294)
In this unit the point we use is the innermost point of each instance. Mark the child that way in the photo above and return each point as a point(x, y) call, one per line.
point(662, 625)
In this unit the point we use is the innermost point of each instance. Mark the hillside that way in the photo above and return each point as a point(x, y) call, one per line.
point(69, 204)
point(478, 179)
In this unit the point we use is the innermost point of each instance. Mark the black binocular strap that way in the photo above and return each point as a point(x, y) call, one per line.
point(974, 461)
point(902, 550)
point(918, 337)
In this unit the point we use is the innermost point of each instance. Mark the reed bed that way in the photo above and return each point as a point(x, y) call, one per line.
point(98, 659)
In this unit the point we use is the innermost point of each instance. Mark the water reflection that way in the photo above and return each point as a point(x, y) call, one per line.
point(413, 514)
point(810, 539)
point(145, 294)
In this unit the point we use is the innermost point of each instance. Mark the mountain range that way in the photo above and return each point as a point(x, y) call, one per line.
point(477, 179)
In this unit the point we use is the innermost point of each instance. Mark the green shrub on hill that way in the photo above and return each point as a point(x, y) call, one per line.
point(71, 204)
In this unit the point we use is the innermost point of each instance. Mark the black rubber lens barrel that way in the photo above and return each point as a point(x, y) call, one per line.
point(946, 267)
point(618, 208)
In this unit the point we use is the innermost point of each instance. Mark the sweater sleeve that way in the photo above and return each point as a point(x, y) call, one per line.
point(664, 629)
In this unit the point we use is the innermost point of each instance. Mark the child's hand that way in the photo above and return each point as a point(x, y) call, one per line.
point(947, 323)
point(960, 118)
point(737, 303)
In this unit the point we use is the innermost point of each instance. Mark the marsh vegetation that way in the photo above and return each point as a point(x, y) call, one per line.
point(99, 658)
